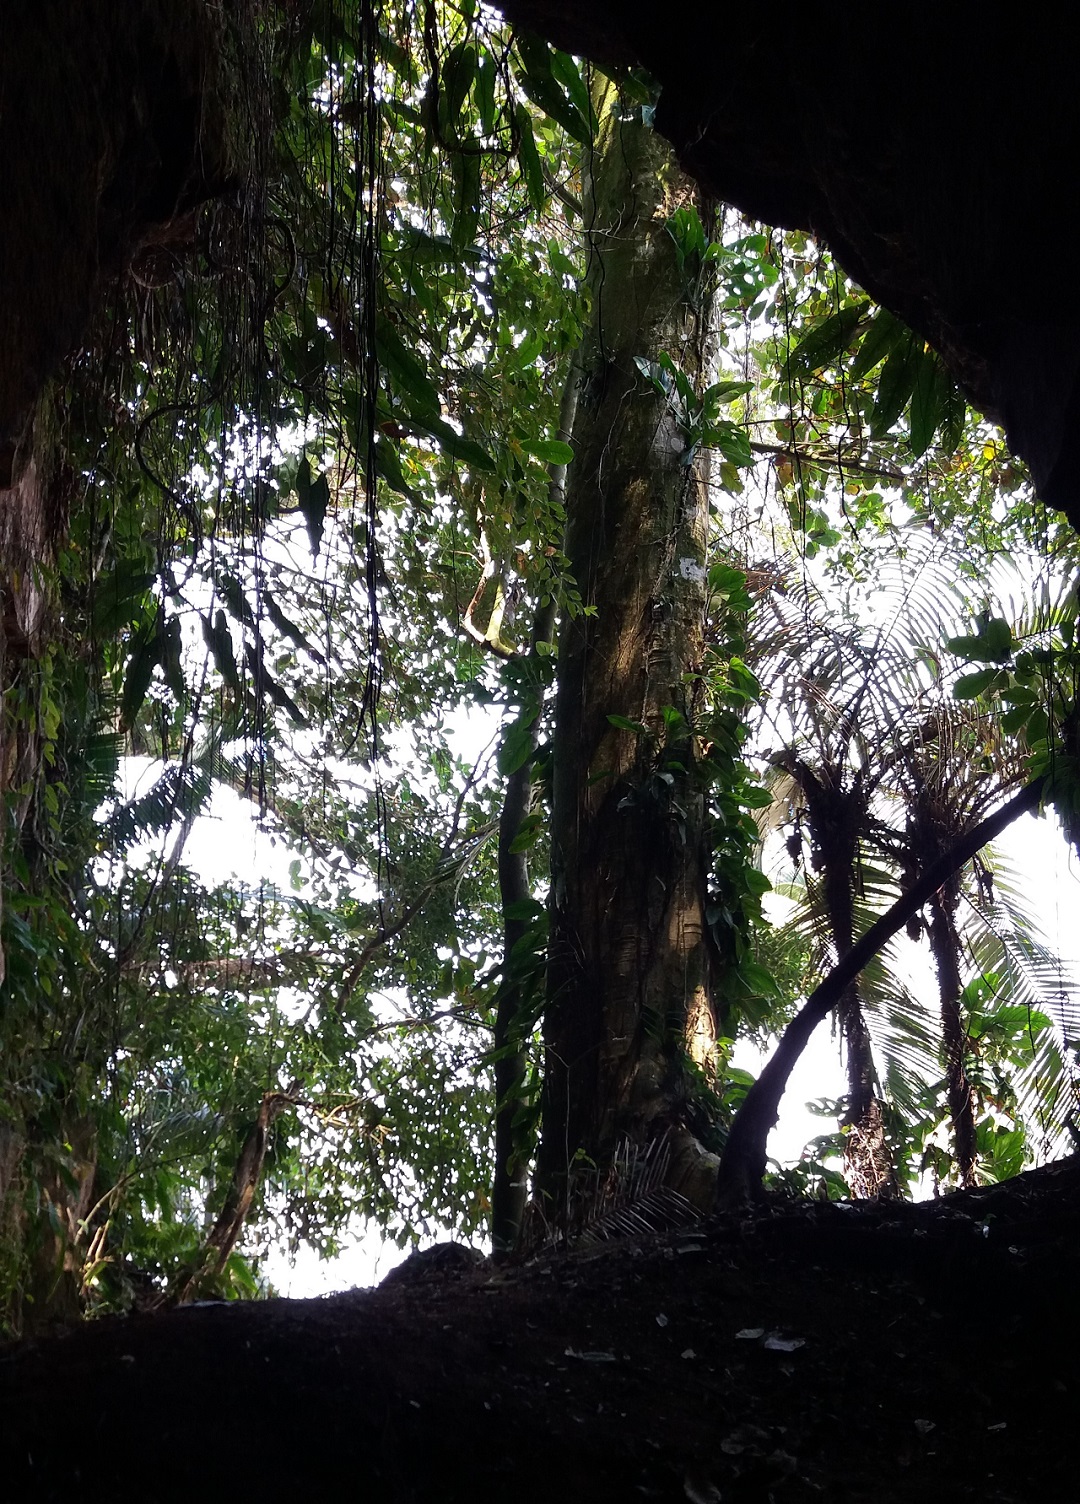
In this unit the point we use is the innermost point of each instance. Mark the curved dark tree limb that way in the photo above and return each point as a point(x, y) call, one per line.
point(743, 1163)
point(241, 1193)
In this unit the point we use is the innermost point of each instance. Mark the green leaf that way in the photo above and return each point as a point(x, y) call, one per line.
point(674, 720)
point(655, 374)
point(484, 93)
point(527, 833)
point(997, 634)
point(526, 353)
point(388, 465)
point(993, 643)
point(964, 647)
point(530, 159)
point(623, 724)
point(405, 369)
point(954, 415)
point(314, 499)
point(229, 588)
point(881, 336)
point(519, 743)
point(1038, 725)
point(688, 233)
point(218, 639)
point(288, 628)
point(466, 200)
point(538, 83)
point(568, 74)
point(268, 685)
point(733, 443)
point(434, 250)
point(123, 596)
point(970, 686)
point(755, 797)
point(927, 401)
point(171, 648)
point(757, 980)
point(458, 72)
point(524, 908)
point(145, 656)
point(683, 384)
point(895, 387)
point(456, 445)
point(726, 391)
point(725, 579)
point(551, 451)
point(827, 341)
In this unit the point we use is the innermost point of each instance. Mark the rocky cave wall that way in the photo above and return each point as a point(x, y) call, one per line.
point(114, 124)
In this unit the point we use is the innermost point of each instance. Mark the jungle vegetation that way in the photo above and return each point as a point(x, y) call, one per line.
point(553, 562)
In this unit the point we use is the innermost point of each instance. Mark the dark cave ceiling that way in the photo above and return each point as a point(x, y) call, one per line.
point(935, 159)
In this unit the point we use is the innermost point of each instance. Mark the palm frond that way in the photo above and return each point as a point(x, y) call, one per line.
point(179, 793)
point(1037, 996)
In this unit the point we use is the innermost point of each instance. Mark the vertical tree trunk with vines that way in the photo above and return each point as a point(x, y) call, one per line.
point(628, 985)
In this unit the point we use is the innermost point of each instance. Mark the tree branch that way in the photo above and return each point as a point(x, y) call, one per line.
point(247, 1173)
point(388, 932)
point(826, 461)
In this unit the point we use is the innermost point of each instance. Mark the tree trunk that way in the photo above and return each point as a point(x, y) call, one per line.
point(836, 816)
point(247, 1173)
point(54, 1233)
point(628, 976)
point(868, 1166)
point(514, 1016)
point(945, 944)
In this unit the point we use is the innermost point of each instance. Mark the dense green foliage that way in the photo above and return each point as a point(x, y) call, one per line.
point(312, 530)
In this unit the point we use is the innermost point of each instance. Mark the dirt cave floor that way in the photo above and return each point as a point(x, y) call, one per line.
point(805, 1351)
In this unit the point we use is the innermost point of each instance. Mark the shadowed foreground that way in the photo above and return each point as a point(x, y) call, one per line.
point(811, 1352)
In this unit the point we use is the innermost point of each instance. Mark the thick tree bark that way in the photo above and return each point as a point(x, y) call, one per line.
point(867, 1161)
point(743, 1164)
point(55, 1233)
point(628, 985)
